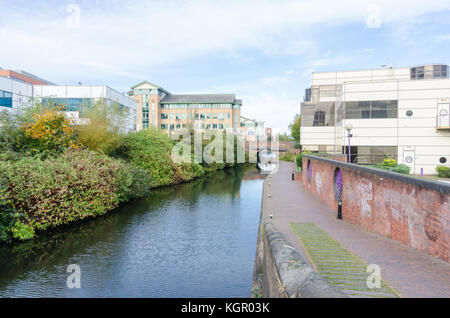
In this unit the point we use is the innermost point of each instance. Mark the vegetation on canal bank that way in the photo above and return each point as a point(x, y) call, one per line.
point(53, 172)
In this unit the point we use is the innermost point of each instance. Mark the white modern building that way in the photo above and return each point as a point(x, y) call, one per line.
point(402, 113)
point(16, 93)
point(75, 97)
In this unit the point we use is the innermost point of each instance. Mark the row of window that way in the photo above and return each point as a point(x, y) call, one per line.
point(371, 154)
point(220, 116)
point(5, 99)
point(176, 106)
point(371, 109)
point(196, 126)
point(429, 71)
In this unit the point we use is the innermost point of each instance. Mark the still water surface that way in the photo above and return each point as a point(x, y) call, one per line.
point(191, 240)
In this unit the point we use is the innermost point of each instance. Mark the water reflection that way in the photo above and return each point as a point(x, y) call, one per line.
point(192, 240)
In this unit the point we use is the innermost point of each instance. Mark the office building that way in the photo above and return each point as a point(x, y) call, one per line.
point(156, 107)
point(75, 97)
point(402, 113)
point(20, 89)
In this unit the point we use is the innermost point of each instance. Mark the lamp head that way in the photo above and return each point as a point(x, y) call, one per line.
point(349, 127)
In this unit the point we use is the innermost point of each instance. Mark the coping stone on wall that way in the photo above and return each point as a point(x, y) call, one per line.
point(298, 278)
point(440, 187)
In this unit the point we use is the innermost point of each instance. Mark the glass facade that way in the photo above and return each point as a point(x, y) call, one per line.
point(5, 99)
point(371, 154)
point(371, 109)
point(429, 71)
point(69, 104)
point(320, 114)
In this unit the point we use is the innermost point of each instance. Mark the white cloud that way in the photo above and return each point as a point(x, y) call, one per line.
point(153, 32)
point(130, 38)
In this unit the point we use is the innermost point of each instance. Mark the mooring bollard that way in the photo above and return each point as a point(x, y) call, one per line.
point(339, 215)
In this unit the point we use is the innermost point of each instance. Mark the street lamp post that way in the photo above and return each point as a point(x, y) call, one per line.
point(349, 127)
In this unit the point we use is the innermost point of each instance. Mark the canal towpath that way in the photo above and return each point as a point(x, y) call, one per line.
point(337, 248)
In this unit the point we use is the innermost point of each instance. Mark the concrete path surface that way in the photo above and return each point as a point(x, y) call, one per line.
point(408, 272)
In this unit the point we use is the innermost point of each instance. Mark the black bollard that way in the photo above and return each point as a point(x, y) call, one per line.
point(339, 214)
point(293, 176)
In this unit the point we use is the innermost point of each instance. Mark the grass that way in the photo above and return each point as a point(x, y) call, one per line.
point(336, 264)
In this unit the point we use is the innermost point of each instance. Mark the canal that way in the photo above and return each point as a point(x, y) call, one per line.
point(191, 240)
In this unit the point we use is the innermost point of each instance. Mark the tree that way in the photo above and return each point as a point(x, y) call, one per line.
point(295, 128)
point(102, 125)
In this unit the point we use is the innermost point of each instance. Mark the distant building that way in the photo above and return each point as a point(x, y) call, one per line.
point(251, 130)
point(25, 77)
point(75, 97)
point(402, 113)
point(158, 108)
point(19, 90)
point(14, 94)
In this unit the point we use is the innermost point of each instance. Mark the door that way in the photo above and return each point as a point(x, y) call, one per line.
point(409, 158)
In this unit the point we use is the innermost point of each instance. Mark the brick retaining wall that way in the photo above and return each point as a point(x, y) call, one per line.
point(413, 211)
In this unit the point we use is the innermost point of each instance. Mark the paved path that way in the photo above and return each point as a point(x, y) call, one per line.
point(409, 272)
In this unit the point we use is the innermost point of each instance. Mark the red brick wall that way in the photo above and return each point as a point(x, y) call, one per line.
point(22, 77)
point(411, 211)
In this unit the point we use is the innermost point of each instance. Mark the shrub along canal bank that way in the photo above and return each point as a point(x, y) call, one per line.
point(54, 173)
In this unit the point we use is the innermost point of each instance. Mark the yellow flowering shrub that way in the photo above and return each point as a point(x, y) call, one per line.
point(51, 132)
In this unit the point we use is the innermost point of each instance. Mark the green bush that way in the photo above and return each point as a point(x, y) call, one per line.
point(399, 168)
point(40, 194)
point(150, 150)
point(443, 171)
point(299, 160)
point(288, 156)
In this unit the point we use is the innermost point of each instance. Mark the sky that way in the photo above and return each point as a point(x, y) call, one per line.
point(262, 51)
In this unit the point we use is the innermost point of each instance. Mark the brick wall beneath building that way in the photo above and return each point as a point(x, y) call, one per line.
point(412, 211)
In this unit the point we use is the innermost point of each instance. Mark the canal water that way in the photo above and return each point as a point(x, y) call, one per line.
point(192, 240)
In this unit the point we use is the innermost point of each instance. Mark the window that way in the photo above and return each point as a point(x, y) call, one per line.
point(214, 126)
point(320, 114)
point(440, 71)
point(319, 118)
point(164, 116)
point(371, 109)
point(172, 126)
point(220, 126)
point(202, 116)
point(228, 115)
point(372, 154)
